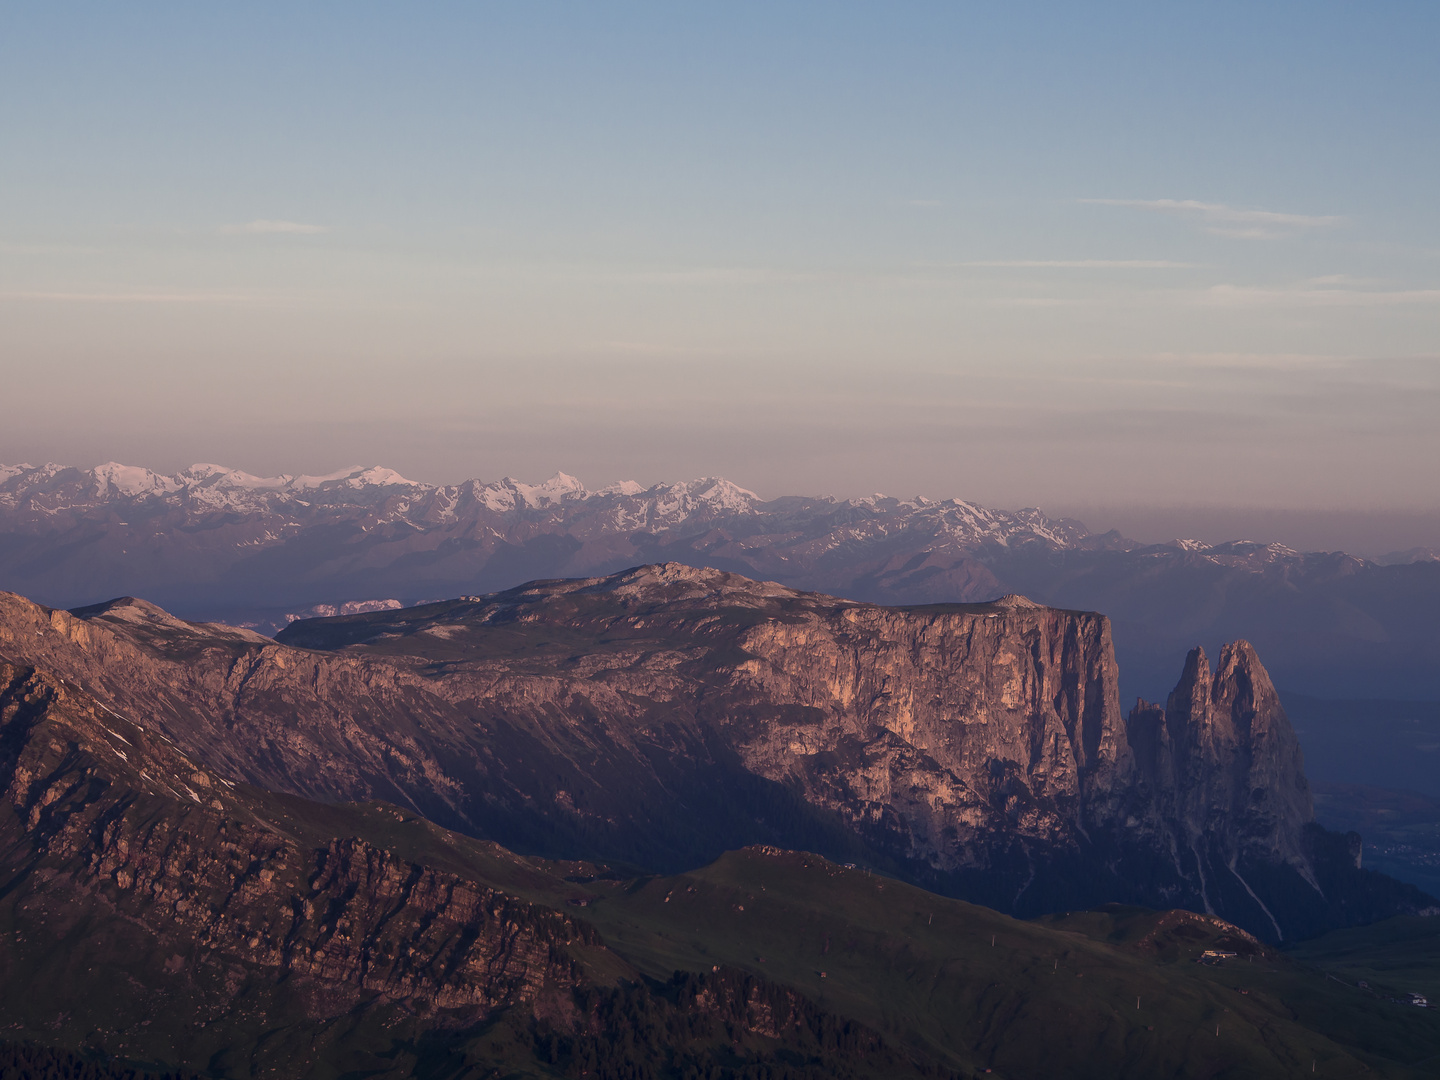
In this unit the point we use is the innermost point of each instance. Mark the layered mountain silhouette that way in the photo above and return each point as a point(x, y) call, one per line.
point(665, 714)
point(217, 543)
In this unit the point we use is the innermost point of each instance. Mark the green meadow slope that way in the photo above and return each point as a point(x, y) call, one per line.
point(1112, 993)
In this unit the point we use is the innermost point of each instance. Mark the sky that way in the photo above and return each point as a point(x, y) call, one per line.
point(1145, 255)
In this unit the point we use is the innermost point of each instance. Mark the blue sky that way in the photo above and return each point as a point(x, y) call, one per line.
point(1110, 254)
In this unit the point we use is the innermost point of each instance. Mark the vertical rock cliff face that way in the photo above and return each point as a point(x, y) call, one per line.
point(985, 748)
point(938, 731)
point(1223, 773)
point(1224, 760)
point(665, 714)
point(1220, 781)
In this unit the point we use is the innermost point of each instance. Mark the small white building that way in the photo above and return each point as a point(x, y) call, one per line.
point(1214, 956)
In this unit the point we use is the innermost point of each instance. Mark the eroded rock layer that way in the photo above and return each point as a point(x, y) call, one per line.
point(96, 819)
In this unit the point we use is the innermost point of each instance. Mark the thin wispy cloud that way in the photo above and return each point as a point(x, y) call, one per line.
point(129, 297)
point(658, 349)
point(266, 225)
point(1239, 296)
point(1035, 302)
point(1233, 221)
point(289, 298)
point(717, 275)
point(1082, 264)
point(1258, 361)
point(8, 248)
point(1345, 279)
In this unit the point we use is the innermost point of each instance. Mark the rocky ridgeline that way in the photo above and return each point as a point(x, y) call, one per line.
point(155, 911)
point(665, 714)
point(106, 813)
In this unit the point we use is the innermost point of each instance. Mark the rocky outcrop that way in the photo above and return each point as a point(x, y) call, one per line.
point(665, 714)
point(107, 816)
point(1222, 783)
point(1223, 760)
point(153, 911)
point(945, 728)
point(661, 715)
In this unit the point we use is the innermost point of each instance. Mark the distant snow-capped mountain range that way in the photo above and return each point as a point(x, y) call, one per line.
point(50, 490)
point(215, 542)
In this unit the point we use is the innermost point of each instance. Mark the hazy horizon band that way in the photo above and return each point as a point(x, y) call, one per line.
point(1043, 256)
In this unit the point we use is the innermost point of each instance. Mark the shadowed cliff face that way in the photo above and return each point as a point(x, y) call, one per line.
point(1221, 770)
point(665, 714)
point(1241, 767)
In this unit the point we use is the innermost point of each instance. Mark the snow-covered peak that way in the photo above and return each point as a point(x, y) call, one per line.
point(623, 488)
point(721, 494)
point(1253, 549)
point(131, 480)
point(499, 498)
point(204, 470)
point(380, 476)
point(355, 476)
point(348, 607)
point(9, 472)
point(557, 489)
point(504, 496)
point(305, 483)
point(221, 477)
point(709, 492)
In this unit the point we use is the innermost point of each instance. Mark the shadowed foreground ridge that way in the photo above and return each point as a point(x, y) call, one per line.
point(247, 943)
point(665, 714)
point(159, 918)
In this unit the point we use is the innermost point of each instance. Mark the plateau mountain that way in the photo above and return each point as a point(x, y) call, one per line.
point(665, 714)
